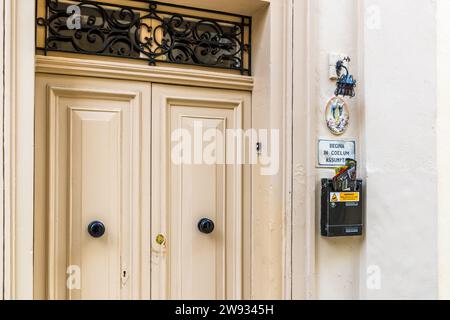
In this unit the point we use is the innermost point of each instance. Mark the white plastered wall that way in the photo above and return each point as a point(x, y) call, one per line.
point(393, 119)
point(399, 63)
point(443, 145)
point(322, 268)
point(335, 29)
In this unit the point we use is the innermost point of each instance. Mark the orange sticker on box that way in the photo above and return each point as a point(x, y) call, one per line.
point(344, 197)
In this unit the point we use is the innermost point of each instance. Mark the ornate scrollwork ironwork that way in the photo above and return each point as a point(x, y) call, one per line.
point(148, 30)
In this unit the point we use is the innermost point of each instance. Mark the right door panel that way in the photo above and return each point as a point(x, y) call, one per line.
point(198, 172)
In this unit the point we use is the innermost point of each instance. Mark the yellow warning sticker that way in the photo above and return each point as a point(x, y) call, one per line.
point(334, 197)
point(344, 197)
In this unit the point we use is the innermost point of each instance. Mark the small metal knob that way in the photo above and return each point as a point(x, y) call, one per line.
point(96, 229)
point(206, 225)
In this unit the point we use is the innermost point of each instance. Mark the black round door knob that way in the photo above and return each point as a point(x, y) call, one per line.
point(206, 226)
point(96, 229)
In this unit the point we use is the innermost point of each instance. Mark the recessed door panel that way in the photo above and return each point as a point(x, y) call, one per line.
point(92, 141)
point(195, 182)
point(95, 192)
point(201, 194)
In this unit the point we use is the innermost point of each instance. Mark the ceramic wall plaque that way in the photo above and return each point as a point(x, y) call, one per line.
point(337, 115)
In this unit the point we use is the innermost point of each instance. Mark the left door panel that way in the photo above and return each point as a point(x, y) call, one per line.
point(92, 164)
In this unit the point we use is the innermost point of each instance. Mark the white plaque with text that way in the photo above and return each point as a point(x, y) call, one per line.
point(332, 153)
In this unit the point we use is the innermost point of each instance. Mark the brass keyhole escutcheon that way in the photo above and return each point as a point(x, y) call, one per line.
point(160, 239)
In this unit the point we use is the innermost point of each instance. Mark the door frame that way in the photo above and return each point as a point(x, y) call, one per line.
point(290, 266)
point(18, 22)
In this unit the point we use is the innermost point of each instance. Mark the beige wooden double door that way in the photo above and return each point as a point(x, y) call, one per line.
point(106, 152)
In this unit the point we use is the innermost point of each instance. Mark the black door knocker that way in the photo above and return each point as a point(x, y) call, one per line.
point(96, 229)
point(206, 226)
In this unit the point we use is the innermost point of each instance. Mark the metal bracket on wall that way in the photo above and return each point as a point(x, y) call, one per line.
point(346, 83)
point(333, 58)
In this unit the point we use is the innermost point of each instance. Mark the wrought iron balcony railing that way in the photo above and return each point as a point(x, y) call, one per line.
point(146, 30)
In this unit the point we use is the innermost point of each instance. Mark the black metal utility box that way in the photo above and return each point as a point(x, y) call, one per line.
point(341, 211)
